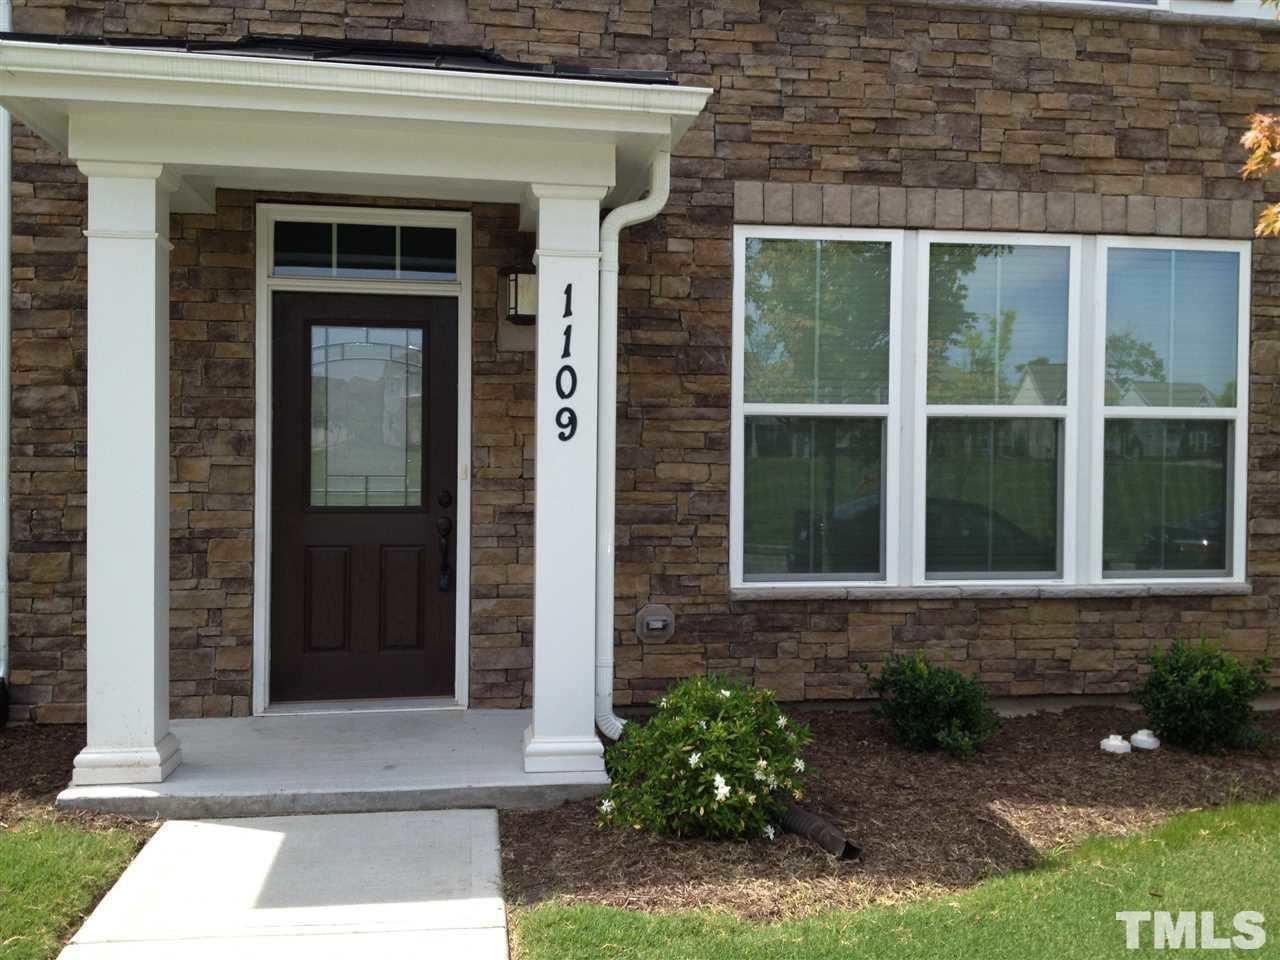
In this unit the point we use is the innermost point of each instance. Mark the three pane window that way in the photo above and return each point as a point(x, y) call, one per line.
point(973, 418)
point(363, 251)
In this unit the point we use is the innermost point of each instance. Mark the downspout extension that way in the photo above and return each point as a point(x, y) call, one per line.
point(611, 724)
point(6, 280)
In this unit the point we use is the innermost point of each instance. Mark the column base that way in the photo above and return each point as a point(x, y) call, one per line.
point(562, 754)
point(103, 765)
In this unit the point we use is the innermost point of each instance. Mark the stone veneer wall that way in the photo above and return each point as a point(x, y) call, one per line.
point(212, 447)
point(860, 113)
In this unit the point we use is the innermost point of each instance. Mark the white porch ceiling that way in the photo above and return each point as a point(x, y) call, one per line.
point(279, 124)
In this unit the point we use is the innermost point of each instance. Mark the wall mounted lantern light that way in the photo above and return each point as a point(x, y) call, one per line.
point(522, 297)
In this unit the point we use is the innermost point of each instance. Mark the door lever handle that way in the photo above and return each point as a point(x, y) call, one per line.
point(444, 526)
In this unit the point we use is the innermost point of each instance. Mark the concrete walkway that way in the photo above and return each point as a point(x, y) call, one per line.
point(377, 885)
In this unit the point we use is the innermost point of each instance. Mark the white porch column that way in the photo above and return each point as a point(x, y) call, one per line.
point(562, 736)
point(128, 501)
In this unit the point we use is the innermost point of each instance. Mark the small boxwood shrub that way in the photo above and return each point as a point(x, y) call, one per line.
point(933, 708)
point(719, 760)
point(1201, 698)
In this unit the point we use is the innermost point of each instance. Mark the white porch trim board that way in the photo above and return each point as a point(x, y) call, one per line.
point(562, 735)
point(127, 606)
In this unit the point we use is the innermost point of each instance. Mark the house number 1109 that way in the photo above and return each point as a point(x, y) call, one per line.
point(567, 376)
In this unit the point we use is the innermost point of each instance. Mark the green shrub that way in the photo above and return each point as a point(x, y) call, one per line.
point(1201, 698)
point(718, 760)
point(932, 708)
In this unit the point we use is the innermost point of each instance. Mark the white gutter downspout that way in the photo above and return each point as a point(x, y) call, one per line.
point(6, 280)
point(610, 724)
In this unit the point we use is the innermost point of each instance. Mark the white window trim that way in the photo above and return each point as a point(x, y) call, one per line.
point(1238, 417)
point(891, 411)
point(922, 410)
point(1083, 418)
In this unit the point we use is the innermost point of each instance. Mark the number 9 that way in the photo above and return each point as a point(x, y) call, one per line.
point(567, 421)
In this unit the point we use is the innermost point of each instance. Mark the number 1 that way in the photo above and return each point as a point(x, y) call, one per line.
point(568, 299)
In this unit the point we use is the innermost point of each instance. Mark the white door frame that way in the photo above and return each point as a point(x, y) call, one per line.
point(265, 286)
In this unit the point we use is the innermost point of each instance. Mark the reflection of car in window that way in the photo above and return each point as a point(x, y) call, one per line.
point(845, 540)
point(961, 537)
point(1197, 542)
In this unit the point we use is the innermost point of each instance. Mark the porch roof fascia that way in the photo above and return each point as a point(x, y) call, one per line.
point(48, 85)
point(117, 75)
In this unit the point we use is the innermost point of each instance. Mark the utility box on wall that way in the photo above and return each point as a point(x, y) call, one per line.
point(655, 621)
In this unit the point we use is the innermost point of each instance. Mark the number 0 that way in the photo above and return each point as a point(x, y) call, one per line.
point(566, 392)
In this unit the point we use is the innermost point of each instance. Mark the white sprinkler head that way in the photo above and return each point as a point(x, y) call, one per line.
point(1145, 740)
point(1115, 744)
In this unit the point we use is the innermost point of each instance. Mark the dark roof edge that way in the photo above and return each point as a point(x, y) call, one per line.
point(377, 53)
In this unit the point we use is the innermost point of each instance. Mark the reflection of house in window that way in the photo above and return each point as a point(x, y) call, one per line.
point(1152, 393)
point(1182, 440)
point(1042, 385)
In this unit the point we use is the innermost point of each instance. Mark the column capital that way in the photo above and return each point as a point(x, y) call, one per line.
point(567, 191)
point(119, 170)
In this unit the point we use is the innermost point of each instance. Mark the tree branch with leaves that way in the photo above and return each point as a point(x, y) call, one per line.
point(1262, 140)
point(1263, 143)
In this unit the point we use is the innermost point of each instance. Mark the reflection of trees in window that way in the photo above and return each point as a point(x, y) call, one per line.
point(977, 351)
point(1130, 359)
point(817, 321)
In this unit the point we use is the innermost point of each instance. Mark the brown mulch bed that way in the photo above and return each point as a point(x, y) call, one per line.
point(35, 764)
point(928, 824)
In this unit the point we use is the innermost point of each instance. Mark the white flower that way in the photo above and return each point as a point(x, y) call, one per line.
point(606, 806)
point(726, 694)
point(798, 765)
point(759, 775)
point(722, 788)
point(762, 764)
point(662, 704)
point(702, 724)
point(782, 721)
point(773, 782)
point(695, 758)
point(751, 799)
point(769, 832)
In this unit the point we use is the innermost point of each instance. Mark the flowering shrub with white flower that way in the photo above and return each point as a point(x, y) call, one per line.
point(719, 759)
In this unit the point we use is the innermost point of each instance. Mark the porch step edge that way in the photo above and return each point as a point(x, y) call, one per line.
point(148, 803)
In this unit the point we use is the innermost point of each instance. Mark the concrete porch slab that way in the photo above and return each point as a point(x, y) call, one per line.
point(344, 763)
point(386, 885)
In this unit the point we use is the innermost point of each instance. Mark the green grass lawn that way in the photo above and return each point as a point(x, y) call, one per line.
point(51, 873)
point(1225, 860)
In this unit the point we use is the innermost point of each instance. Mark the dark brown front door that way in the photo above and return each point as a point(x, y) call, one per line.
point(364, 459)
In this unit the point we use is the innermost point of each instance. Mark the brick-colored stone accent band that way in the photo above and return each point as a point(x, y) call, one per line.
point(843, 205)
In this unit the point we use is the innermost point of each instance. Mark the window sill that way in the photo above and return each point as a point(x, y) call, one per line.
point(993, 592)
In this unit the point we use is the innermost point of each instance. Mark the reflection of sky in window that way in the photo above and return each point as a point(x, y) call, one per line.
point(1033, 285)
point(816, 321)
point(1183, 305)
